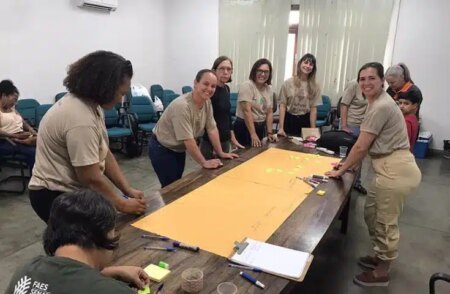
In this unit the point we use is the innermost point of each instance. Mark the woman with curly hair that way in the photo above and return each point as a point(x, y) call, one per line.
point(72, 144)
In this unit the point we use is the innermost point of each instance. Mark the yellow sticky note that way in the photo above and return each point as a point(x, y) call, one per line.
point(156, 273)
point(146, 290)
point(321, 192)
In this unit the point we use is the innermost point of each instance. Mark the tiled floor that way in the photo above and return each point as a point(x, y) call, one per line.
point(424, 247)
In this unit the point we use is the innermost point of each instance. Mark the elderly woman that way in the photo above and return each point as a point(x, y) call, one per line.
point(181, 124)
point(254, 114)
point(383, 135)
point(72, 144)
point(401, 84)
point(299, 98)
point(223, 67)
point(22, 137)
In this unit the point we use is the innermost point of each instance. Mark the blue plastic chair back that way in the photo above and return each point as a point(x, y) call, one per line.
point(324, 109)
point(144, 108)
point(111, 117)
point(186, 89)
point(156, 90)
point(59, 96)
point(233, 102)
point(41, 111)
point(168, 98)
point(27, 109)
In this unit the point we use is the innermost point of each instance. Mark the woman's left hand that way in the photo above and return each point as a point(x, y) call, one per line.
point(27, 141)
point(272, 138)
point(334, 173)
point(228, 155)
point(128, 274)
point(134, 193)
point(235, 143)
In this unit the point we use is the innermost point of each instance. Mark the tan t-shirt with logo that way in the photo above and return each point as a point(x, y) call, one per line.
point(183, 120)
point(71, 134)
point(356, 103)
point(385, 119)
point(294, 94)
point(261, 100)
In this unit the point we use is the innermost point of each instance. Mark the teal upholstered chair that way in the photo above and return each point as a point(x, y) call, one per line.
point(27, 109)
point(323, 112)
point(144, 110)
point(186, 89)
point(59, 96)
point(41, 111)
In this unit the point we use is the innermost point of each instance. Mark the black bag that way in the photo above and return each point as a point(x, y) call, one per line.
point(333, 139)
point(132, 146)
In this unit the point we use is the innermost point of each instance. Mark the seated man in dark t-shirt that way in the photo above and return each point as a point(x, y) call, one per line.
point(79, 241)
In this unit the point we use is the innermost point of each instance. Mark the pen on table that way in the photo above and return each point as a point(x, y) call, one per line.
point(160, 288)
point(254, 269)
point(147, 236)
point(186, 246)
point(170, 249)
point(252, 280)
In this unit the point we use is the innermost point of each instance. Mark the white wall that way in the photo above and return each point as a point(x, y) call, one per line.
point(40, 38)
point(191, 40)
point(423, 44)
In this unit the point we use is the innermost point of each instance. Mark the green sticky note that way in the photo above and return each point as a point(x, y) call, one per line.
point(146, 290)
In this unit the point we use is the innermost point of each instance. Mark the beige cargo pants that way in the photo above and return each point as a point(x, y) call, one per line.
point(396, 177)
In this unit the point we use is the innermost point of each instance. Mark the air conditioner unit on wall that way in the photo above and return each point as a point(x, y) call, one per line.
point(110, 5)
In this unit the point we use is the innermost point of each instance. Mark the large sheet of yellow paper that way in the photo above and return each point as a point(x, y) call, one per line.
point(251, 200)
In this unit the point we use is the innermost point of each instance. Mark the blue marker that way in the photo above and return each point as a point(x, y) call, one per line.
point(147, 236)
point(254, 269)
point(170, 249)
point(252, 280)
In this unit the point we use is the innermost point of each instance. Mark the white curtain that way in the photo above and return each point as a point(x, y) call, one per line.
point(253, 29)
point(343, 35)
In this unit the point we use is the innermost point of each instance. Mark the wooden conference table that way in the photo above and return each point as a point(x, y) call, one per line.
point(302, 230)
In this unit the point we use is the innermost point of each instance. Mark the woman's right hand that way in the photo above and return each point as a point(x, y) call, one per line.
point(281, 133)
point(20, 136)
point(212, 163)
point(256, 142)
point(132, 206)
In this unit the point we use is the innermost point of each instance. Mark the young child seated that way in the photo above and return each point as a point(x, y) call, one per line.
point(409, 104)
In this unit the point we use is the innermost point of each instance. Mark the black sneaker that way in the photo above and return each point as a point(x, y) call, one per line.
point(360, 189)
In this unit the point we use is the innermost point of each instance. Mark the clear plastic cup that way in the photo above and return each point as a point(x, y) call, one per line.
point(192, 280)
point(343, 151)
point(227, 288)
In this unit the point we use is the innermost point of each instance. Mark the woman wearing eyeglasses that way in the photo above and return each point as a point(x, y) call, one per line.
point(299, 98)
point(254, 114)
point(220, 101)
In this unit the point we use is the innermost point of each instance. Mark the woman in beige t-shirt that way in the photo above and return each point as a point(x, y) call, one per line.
point(72, 150)
point(254, 114)
point(299, 98)
point(16, 135)
point(383, 135)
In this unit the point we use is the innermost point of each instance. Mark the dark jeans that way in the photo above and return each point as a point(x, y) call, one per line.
point(42, 200)
point(25, 152)
point(243, 135)
point(293, 124)
point(168, 164)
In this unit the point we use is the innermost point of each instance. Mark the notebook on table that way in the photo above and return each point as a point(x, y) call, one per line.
point(280, 261)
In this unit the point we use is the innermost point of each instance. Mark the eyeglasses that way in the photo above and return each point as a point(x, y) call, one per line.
point(261, 72)
point(224, 69)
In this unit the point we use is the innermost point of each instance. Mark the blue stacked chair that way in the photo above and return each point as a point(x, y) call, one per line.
point(323, 112)
point(144, 110)
point(186, 89)
point(41, 111)
point(27, 109)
